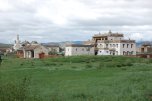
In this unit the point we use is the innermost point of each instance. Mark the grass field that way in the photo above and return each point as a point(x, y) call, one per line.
point(81, 78)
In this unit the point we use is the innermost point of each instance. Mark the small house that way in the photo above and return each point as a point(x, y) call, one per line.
point(33, 51)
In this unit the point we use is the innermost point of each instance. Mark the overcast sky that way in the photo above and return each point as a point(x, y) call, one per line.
point(68, 20)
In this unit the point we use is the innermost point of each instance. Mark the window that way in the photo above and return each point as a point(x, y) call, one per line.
point(82, 49)
point(76, 49)
point(113, 45)
point(107, 45)
point(131, 45)
point(117, 45)
point(123, 45)
point(127, 45)
point(124, 53)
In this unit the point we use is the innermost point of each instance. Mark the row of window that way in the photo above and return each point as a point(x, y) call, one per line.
point(111, 53)
point(83, 49)
point(128, 45)
point(110, 45)
point(128, 53)
point(116, 45)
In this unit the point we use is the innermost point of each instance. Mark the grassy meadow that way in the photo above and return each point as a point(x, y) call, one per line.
point(81, 78)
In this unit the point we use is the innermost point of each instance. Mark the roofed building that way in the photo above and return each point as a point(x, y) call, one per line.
point(76, 49)
point(33, 51)
point(113, 44)
point(145, 50)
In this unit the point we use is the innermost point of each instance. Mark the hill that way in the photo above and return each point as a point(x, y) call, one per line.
point(2, 45)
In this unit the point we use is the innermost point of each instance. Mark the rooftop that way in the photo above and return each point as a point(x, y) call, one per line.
point(117, 41)
point(109, 34)
point(78, 45)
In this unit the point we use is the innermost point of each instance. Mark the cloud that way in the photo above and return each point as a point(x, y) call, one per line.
point(61, 20)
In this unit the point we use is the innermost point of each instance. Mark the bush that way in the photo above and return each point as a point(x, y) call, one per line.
point(13, 92)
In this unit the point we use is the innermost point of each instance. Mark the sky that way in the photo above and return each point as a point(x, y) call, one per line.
point(72, 20)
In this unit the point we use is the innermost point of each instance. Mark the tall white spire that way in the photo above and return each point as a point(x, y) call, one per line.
point(17, 44)
point(18, 37)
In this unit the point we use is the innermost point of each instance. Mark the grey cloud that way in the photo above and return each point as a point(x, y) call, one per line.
point(127, 16)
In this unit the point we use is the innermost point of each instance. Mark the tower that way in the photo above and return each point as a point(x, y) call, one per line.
point(17, 44)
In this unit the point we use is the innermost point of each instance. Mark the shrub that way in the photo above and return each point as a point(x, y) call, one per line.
point(13, 92)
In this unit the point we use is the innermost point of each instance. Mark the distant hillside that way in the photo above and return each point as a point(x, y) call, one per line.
point(62, 44)
point(142, 42)
point(2, 45)
point(57, 43)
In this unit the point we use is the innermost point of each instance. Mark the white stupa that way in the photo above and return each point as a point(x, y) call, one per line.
point(17, 44)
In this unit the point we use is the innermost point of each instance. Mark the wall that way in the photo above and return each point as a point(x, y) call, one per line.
point(27, 54)
point(115, 38)
point(103, 52)
point(118, 47)
point(72, 51)
point(104, 48)
point(129, 49)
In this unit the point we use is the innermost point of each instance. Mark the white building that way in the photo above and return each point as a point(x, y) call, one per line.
point(17, 44)
point(113, 44)
point(74, 49)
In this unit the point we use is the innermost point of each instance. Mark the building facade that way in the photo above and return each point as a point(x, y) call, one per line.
point(145, 50)
point(32, 51)
point(74, 50)
point(113, 44)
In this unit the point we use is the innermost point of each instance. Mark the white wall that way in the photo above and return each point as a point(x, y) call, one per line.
point(129, 49)
point(72, 51)
point(118, 47)
point(115, 38)
point(27, 54)
point(103, 52)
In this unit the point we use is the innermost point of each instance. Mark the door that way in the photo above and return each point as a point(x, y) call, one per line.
point(41, 55)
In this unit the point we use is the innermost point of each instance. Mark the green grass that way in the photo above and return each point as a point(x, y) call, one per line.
point(81, 78)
